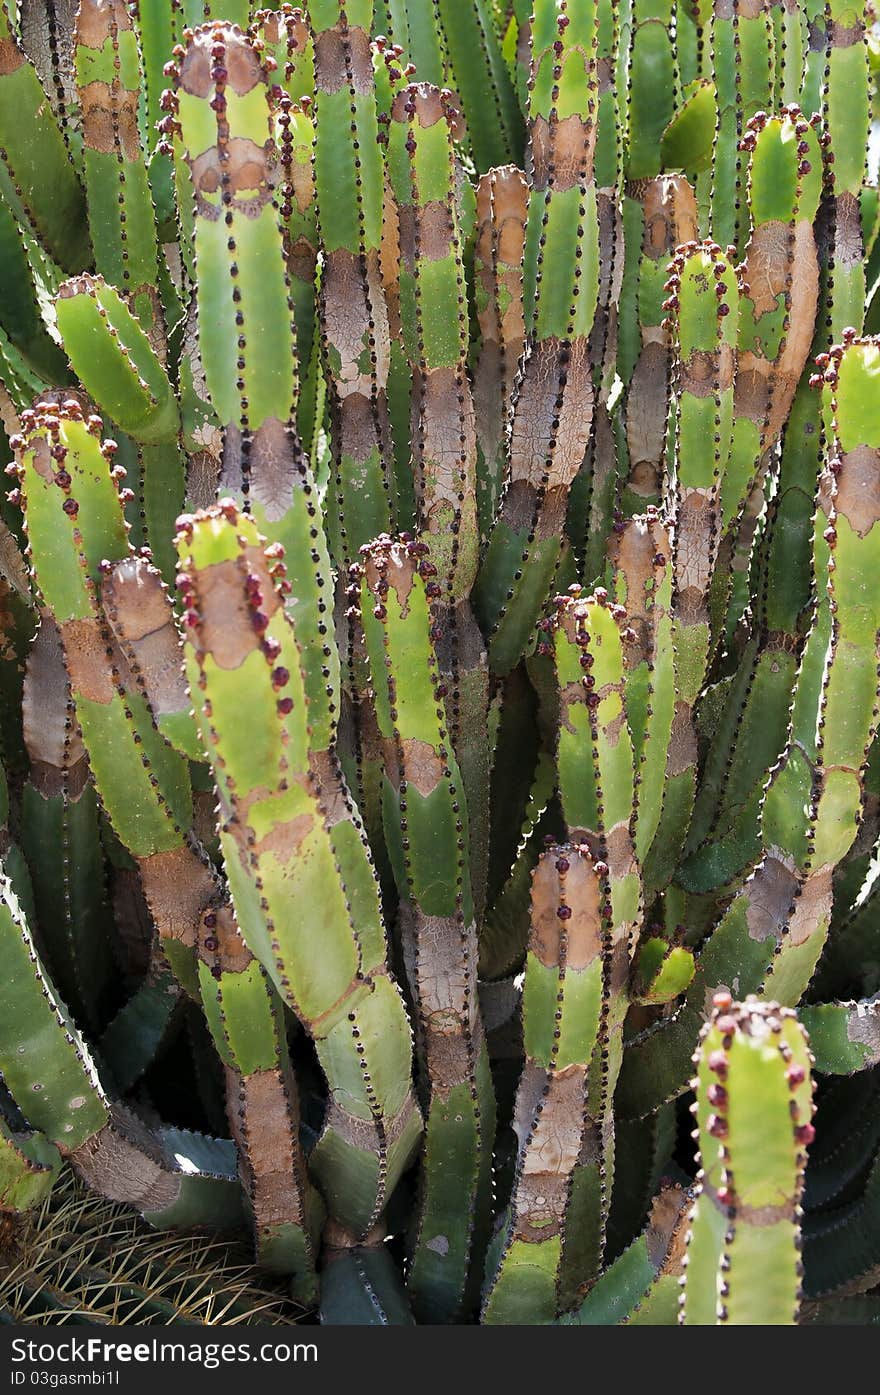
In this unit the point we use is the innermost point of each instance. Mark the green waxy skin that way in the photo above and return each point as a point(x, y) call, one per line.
point(753, 1111)
point(739, 54)
point(650, 85)
point(425, 813)
point(641, 1287)
point(280, 792)
point(779, 308)
point(287, 38)
point(29, 1166)
point(121, 217)
point(764, 396)
point(529, 1280)
point(19, 306)
point(844, 1037)
point(113, 357)
point(61, 836)
point(361, 1285)
point(845, 107)
point(552, 415)
point(46, 1065)
point(124, 601)
point(481, 80)
point(38, 160)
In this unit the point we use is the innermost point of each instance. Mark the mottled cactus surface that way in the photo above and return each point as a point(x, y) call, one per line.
point(439, 654)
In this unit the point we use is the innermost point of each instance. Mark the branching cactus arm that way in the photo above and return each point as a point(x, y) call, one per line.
point(280, 792)
point(552, 415)
point(754, 1109)
point(562, 1018)
point(426, 826)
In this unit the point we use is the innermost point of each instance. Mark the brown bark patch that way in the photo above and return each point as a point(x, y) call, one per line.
point(109, 120)
point(646, 414)
point(707, 371)
point(857, 496)
point(343, 61)
point(264, 1129)
point(240, 59)
point(669, 207)
point(247, 173)
point(179, 888)
point(349, 300)
point(125, 1162)
point(562, 151)
point(551, 1152)
point(770, 894)
point(553, 414)
point(226, 631)
point(682, 752)
point(49, 737)
point(578, 889)
point(666, 1234)
point(88, 662)
point(812, 908)
point(140, 615)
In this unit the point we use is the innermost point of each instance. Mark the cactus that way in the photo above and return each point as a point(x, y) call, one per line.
point(438, 658)
point(753, 1074)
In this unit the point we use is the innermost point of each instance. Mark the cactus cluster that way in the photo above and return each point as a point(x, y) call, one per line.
point(439, 647)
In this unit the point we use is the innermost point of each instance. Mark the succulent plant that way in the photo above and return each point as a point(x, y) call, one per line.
point(439, 659)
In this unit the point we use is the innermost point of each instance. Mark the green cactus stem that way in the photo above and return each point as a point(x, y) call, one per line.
point(552, 415)
point(246, 1020)
point(704, 302)
point(661, 213)
point(433, 308)
point(242, 279)
point(425, 812)
point(121, 218)
point(779, 302)
point(61, 835)
point(739, 56)
point(29, 1168)
point(640, 552)
point(354, 321)
point(501, 210)
point(563, 1013)
point(595, 766)
point(49, 1071)
point(753, 1110)
point(281, 794)
point(771, 935)
point(845, 1037)
point(76, 531)
point(37, 159)
point(360, 1284)
point(641, 1287)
